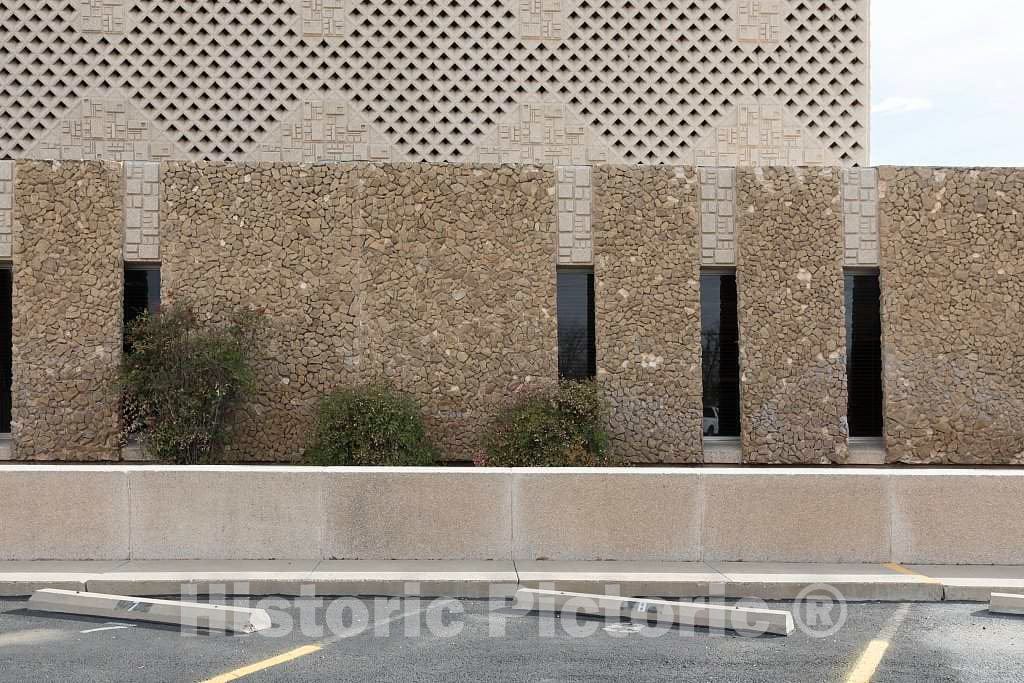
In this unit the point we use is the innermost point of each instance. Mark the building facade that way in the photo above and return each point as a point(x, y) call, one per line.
point(467, 197)
point(561, 82)
point(442, 278)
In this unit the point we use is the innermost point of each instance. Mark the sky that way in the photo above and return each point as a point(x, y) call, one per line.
point(947, 82)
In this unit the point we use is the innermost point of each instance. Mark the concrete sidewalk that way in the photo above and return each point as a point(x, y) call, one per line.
point(769, 581)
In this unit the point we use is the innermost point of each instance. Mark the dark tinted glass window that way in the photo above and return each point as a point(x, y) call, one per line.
point(6, 316)
point(864, 353)
point(577, 353)
point(141, 294)
point(720, 353)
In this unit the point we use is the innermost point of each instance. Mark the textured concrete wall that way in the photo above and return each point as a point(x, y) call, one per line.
point(792, 340)
point(440, 278)
point(647, 246)
point(759, 82)
point(67, 309)
point(952, 318)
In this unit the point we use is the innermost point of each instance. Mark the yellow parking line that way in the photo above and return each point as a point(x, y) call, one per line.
point(909, 572)
point(872, 656)
point(298, 652)
point(265, 664)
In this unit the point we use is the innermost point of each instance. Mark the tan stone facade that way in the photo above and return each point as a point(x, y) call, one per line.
point(441, 278)
point(460, 303)
point(67, 309)
point(953, 315)
point(792, 343)
point(648, 309)
point(438, 278)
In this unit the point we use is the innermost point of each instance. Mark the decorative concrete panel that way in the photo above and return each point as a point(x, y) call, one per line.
point(326, 130)
point(543, 132)
point(718, 216)
point(792, 327)
point(324, 18)
point(860, 216)
point(108, 17)
point(104, 127)
point(439, 279)
point(761, 22)
point(439, 81)
point(543, 20)
point(574, 207)
point(953, 314)
point(68, 278)
point(761, 132)
point(142, 211)
point(6, 208)
point(646, 241)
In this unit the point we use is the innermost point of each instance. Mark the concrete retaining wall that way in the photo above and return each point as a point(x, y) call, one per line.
point(74, 512)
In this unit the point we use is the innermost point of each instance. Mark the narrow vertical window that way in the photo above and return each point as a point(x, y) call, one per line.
point(864, 353)
point(141, 294)
point(577, 350)
point(720, 353)
point(6, 345)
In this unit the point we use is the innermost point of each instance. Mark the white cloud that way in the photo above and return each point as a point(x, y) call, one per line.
point(901, 105)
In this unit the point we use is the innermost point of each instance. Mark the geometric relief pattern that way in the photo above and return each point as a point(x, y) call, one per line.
point(539, 132)
point(575, 233)
point(542, 19)
point(860, 216)
point(323, 131)
point(322, 18)
point(760, 21)
point(561, 81)
point(142, 211)
point(718, 216)
point(761, 133)
point(6, 207)
point(101, 16)
point(104, 127)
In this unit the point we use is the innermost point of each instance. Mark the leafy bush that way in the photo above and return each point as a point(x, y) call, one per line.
point(370, 425)
point(183, 381)
point(561, 426)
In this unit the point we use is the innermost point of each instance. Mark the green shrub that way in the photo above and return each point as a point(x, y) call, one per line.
point(560, 426)
point(370, 425)
point(183, 381)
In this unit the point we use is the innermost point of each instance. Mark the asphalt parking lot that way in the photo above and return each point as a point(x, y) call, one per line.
point(480, 640)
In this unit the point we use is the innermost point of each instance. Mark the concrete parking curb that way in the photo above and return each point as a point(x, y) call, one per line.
point(499, 579)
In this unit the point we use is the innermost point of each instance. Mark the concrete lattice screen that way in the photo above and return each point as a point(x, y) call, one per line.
point(703, 82)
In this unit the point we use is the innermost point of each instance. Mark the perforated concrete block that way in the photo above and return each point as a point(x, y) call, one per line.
point(702, 81)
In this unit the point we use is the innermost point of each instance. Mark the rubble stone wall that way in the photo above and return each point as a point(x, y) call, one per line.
point(438, 278)
point(792, 327)
point(953, 314)
point(647, 250)
point(460, 289)
point(68, 277)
